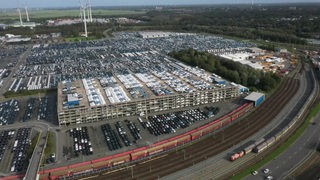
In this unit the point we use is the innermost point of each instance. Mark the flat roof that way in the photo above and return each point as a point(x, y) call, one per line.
point(72, 97)
point(254, 96)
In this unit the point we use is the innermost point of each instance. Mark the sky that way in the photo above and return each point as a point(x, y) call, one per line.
point(74, 3)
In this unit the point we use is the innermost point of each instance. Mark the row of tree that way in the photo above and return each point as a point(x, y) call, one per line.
point(230, 70)
point(273, 23)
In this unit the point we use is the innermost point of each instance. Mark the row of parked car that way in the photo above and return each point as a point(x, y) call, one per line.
point(123, 134)
point(20, 148)
point(135, 131)
point(43, 108)
point(5, 136)
point(168, 123)
point(29, 109)
point(81, 141)
point(110, 137)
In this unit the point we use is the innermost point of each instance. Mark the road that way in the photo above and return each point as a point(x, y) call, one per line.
point(219, 165)
point(35, 160)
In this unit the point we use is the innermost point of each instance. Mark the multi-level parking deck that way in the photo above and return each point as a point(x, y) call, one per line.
point(138, 83)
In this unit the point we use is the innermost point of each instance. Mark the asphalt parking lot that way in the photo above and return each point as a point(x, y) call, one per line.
point(16, 145)
point(105, 137)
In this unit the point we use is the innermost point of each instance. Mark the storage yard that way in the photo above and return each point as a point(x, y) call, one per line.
point(172, 162)
point(47, 65)
point(143, 102)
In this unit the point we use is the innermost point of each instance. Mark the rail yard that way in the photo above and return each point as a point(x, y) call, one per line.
point(212, 145)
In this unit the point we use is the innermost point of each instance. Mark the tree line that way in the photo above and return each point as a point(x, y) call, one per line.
point(230, 70)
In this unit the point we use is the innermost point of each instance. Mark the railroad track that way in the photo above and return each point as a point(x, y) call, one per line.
point(212, 145)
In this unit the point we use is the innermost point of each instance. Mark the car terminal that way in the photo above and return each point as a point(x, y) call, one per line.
point(125, 90)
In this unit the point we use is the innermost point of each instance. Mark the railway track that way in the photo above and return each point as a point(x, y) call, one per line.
point(212, 145)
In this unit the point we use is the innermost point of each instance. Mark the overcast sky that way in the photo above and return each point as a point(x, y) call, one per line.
point(73, 3)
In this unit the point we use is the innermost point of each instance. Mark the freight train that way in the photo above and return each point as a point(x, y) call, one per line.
point(144, 152)
point(263, 144)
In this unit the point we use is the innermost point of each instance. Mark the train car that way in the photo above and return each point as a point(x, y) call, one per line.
point(79, 168)
point(208, 128)
point(120, 158)
point(260, 147)
point(155, 150)
point(139, 153)
point(248, 149)
point(270, 140)
point(55, 172)
point(169, 145)
point(196, 134)
point(234, 157)
point(183, 140)
point(278, 134)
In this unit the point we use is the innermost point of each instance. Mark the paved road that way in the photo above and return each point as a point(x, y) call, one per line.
point(34, 163)
point(219, 165)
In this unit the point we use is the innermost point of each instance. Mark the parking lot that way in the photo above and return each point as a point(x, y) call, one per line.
point(120, 135)
point(49, 64)
point(15, 146)
point(8, 111)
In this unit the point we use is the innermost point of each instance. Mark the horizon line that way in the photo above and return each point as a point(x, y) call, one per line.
point(171, 5)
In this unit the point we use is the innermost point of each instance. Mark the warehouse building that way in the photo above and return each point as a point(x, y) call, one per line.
point(256, 97)
point(92, 104)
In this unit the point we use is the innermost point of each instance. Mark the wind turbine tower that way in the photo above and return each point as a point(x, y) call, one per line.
point(20, 16)
point(84, 21)
point(89, 11)
point(80, 11)
point(27, 14)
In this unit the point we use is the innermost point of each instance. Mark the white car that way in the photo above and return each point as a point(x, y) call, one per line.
point(269, 177)
point(254, 173)
point(266, 171)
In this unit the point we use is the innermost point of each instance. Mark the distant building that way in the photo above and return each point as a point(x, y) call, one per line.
point(154, 34)
point(24, 24)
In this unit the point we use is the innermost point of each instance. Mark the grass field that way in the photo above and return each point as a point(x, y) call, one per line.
point(13, 15)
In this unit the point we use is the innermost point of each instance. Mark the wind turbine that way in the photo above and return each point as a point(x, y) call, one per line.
point(89, 10)
point(27, 14)
point(83, 8)
point(18, 9)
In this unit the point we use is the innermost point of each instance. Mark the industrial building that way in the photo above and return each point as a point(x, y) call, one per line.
point(256, 97)
point(87, 112)
point(124, 93)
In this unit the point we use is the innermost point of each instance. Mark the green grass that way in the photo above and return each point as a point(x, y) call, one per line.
point(50, 146)
point(34, 142)
point(314, 111)
point(11, 94)
point(67, 13)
